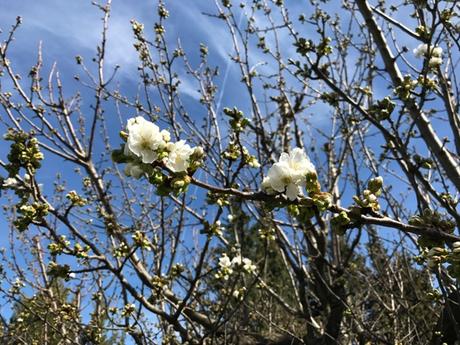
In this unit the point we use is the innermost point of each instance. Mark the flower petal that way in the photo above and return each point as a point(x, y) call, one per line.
point(292, 191)
point(148, 156)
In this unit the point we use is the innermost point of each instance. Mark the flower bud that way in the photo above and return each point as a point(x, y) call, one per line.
point(416, 221)
point(124, 135)
point(156, 178)
point(375, 184)
point(198, 153)
point(180, 182)
point(437, 251)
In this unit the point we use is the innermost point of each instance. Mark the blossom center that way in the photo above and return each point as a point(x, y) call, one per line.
point(286, 180)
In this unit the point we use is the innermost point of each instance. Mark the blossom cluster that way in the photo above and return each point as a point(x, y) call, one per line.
point(24, 152)
point(10, 182)
point(33, 213)
point(437, 256)
point(434, 54)
point(289, 174)
point(369, 198)
point(227, 266)
point(147, 144)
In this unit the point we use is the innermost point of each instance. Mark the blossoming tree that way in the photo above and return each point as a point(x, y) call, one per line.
point(323, 212)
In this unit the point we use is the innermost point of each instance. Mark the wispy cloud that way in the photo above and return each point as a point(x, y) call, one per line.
point(70, 28)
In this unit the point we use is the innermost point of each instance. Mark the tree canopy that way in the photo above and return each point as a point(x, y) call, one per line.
point(301, 190)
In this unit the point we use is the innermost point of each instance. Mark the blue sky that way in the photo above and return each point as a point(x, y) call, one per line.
point(70, 28)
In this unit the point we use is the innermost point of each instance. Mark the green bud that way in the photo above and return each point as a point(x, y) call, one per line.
point(180, 182)
point(427, 214)
point(293, 210)
point(312, 183)
point(416, 221)
point(177, 183)
point(375, 185)
point(342, 218)
point(75, 199)
point(456, 250)
point(198, 153)
point(124, 136)
point(58, 271)
point(157, 177)
point(322, 200)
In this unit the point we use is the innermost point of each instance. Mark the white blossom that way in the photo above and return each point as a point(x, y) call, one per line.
point(253, 162)
point(239, 293)
point(134, 121)
point(236, 293)
point(18, 282)
point(435, 54)
point(146, 142)
point(225, 268)
point(165, 135)
point(225, 262)
point(244, 263)
point(127, 152)
point(178, 158)
point(198, 151)
point(248, 266)
point(289, 174)
point(145, 139)
point(134, 170)
point(237, 260)
point(421, 50)
point(266, 186)
point(10, 182)
point(435, 61)
point(436, 51)
point(217, 228)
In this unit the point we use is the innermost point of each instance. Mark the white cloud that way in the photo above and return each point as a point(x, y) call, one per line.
point(69, 28)
point(189, 87)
